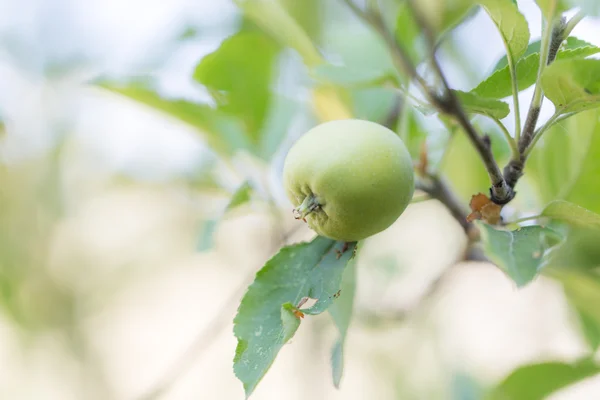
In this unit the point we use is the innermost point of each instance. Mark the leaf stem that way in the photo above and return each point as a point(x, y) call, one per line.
point(524, 219)
point(511, 141)
point(515, 94)
point(556, 117)
point(551, 41)
point(573, 23)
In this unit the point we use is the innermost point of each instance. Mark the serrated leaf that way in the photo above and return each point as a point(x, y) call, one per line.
point(572, 213)
point(532, 48)
point(498, 84)
point(573, 85)
point(537, 381)
point(238, 74)
point(572, 48)
point(312, 269)
point(475, 104)
point(511, 24)
point(341, 312)
point(576, 48)
point(222, 133)
point(521, 253)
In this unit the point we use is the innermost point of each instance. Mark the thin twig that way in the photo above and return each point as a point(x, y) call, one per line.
point(555, 118)
point(551, 42)
point(552, 35)
point(511, 141)
point(437, 188)
point(446, 102)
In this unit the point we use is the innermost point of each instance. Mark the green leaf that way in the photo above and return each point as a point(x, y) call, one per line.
point(276, 125)
point(241, 196)
point(480, 105)
point(290, 322)
point(537, 381)
point(511, 24)
point(312, 270)
point(464, 168)
point(206, 241)
point(555, 165)
point(498, 84)
point(238, 74)
point(522, 253)
point(591, 329)
point(308, 14)
point(444, 15)
point(550, 8)
point(466, 387)
point(411, 131)
point(584, 189)
point(572, 214)
point(576, 48)
point(532, 48)
point(573, 85)
point(572, 48)
point(408, 33)
point(276, 21)
point(372, 104)
point(361, 54)
point(222, 133)
point(351, 77)
point(583, 291)
point(341, 312)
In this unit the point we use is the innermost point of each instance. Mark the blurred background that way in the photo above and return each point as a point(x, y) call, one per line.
point(120, 271)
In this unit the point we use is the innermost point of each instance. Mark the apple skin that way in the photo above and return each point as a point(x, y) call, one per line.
point(349, 179)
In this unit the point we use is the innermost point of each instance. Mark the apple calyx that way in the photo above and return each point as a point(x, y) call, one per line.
point(309, 204)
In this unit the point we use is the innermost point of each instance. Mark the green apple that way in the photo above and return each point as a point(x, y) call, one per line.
point(349, 179)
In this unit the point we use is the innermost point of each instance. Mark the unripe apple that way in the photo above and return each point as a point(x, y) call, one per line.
point(349, 179)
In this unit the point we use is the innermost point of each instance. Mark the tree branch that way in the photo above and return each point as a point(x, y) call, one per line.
point(446, 101)
point(437, 188)
point(551, 43)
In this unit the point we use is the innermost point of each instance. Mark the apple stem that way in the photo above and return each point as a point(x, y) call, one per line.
point(309, 205)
